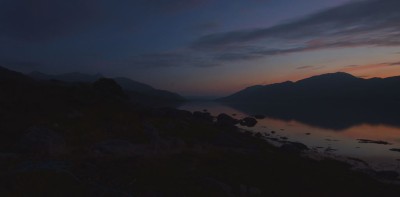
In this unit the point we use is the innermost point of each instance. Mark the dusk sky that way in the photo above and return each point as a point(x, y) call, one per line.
point(202, 47)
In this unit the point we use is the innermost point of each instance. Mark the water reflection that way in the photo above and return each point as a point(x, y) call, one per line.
point(325, 127)
point(329, 116)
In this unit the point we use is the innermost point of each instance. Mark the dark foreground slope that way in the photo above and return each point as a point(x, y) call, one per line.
point(88, 140)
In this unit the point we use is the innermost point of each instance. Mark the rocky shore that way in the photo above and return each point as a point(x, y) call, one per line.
point(91, 140)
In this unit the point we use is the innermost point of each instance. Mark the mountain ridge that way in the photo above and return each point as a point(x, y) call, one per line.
point(337, 86)
point(131, 86)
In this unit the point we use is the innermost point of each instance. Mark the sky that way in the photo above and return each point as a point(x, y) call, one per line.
point(207, 48)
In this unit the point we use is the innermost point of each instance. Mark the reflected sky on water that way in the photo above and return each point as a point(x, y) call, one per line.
point(324, 134)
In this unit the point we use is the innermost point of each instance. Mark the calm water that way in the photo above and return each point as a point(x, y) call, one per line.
point(339, 130)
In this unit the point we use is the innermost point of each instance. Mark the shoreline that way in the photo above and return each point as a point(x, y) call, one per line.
point(357, 164)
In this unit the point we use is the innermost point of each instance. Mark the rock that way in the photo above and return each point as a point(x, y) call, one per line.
point(249, 190)
point(178, 143)
point(42, 142)
point(226, 139)
point(386, 174)
point(158, 143)
point(74, 115)
point(45, 182)
point(254, 191)
point(294, 147)
point(209, 182)
point(258, 135)
point(171, 112)
point(329, 149)
point(114, 147)
point(395, 149)
point(42, 165)
point(203, 116)
point(373, 141)
point(226, 120)
point(248, 121)
point(259, 116)
point(8, 156)
point(273, 139)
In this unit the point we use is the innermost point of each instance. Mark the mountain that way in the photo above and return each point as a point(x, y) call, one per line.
point(332, 87)
point(7, 75)
point(67, 77)
point(140, 91)
point(134, 86)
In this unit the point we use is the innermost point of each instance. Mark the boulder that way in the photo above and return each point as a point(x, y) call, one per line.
point(395, 149)
point(171, 112)
point(387, 174)
point(203, 116)
point(226, 120)
point(114, 148)
point(259, 116)
point(294, 147)
point(42, 142)
point(248, 122)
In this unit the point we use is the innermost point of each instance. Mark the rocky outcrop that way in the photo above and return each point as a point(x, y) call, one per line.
point(226, 120)
point(114, 147)
point(42, 142)
point(248, 122)
point(294, 147)
point(259, 116)
point(205, 116)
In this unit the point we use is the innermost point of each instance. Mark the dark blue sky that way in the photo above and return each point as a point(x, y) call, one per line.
point(201, 47)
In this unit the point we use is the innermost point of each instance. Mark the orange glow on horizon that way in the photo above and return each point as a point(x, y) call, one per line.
point(218, 88)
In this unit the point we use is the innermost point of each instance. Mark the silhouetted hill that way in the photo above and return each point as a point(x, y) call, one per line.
point(333, 87)
point(14, 85)
point(7, 75)
point(67, 77)
point(140, 91)
point(135, 87)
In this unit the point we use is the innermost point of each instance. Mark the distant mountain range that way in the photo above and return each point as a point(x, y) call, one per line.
point(335, 100)
point(132, 87)
point(337, 87)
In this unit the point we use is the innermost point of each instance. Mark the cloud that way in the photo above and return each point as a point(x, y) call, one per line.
point(350, 68)
point(394, 63)
point(364, 67)
point(360, 23)
point(170, 59)
point(304, 67)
